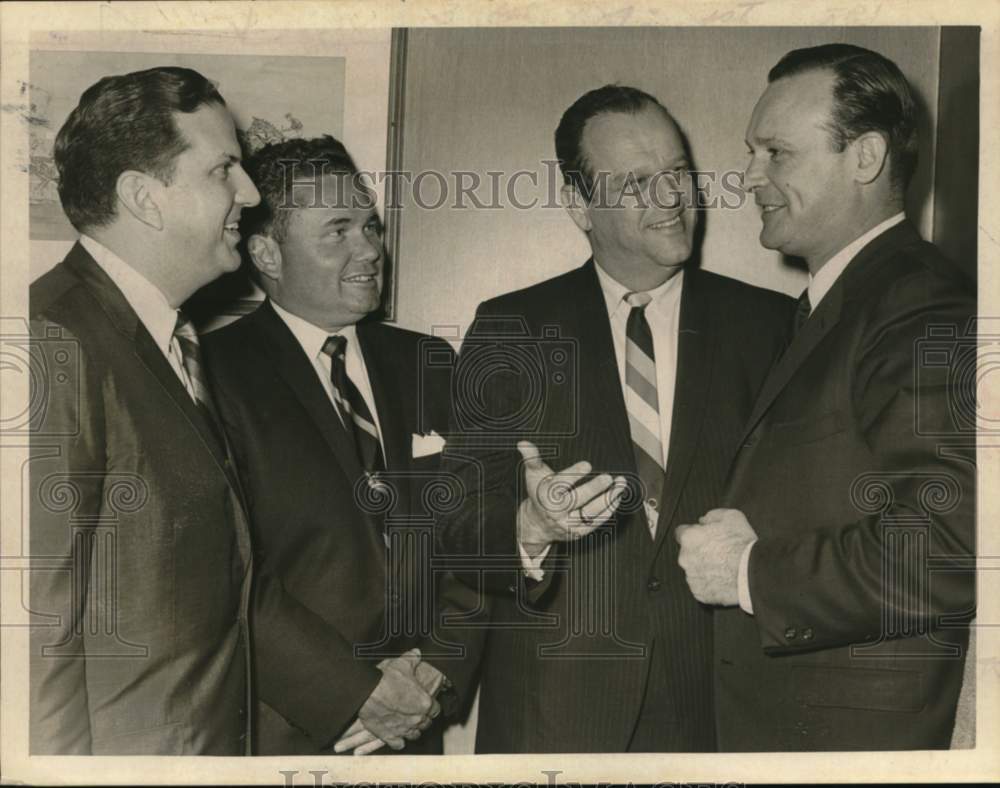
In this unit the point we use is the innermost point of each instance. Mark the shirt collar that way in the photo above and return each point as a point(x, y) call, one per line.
point(820, 284)
point(145, 298)
point(661, 297)
point(310, 336)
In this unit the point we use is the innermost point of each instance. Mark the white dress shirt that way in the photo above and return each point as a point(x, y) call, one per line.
point(819, 286)
point(663, 316)
point(148, 303)
point(312, 338)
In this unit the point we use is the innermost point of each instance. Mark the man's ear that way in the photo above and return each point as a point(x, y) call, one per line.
point(265, 253)
point(138, 191)
point(871, 151)
point(576, 206)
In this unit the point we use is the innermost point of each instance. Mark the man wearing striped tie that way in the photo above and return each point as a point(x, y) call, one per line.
point(337, 431)
point(140, 546)
point(583, 462)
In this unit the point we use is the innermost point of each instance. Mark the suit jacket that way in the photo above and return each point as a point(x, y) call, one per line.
point(568, 659)
point(140, 545)
point(857, 471)
point(330, 599)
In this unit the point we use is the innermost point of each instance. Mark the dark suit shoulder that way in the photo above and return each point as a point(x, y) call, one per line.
point(740, 291)
point(58, 296)
point(921, 266)
point(743, 306)
point(402, 338)
point(537, 296)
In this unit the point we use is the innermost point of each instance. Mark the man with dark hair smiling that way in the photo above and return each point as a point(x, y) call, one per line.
point(852, 478)
point(596, 646)
point(139, 539)
point(337, 433)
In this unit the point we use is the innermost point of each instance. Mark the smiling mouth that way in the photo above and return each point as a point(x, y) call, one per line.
point(360, 279)
point(666, 223)
point(233, 227)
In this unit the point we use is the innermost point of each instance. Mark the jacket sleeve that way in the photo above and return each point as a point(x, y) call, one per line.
point(67, 470)
point(904, 561)
point(489, 393)
point(304, 668)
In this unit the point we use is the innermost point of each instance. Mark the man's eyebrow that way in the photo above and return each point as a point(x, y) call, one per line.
point(227, 158)
point(766, 141)
point(337, 220)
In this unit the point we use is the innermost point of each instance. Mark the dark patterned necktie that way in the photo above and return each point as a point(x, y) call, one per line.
point(354, 411)
point(642, 404)
point(187, 340)
point(802, 311)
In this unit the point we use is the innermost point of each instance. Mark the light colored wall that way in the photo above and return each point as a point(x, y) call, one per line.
point(490, 99)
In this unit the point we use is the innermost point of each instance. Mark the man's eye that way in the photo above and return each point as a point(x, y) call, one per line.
point(222, 172)
point(373, 228)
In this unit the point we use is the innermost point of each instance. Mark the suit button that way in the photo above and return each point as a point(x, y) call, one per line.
point(790, 633)
point(807, 633)
point(512, 589)
point(653, 585)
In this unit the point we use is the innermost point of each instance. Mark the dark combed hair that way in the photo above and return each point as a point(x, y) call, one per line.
point(575, 168)
point(124, 122)
point(870, 93)
point(275, 168)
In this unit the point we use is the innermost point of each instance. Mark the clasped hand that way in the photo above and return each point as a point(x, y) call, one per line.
point(710, 554)
point(557, 507)
point(400, 708)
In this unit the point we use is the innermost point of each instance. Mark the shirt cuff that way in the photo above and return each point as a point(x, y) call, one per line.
point(533, 566)
point(743, 580)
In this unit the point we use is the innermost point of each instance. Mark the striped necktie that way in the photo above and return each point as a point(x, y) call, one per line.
point(187, 341)
point(642, 404)
point(354, 411)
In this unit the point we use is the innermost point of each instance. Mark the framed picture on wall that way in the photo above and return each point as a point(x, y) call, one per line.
point(277, 86)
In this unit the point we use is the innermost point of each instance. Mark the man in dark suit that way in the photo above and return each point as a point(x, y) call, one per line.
point(139, 539)
point(599, 409)
point(337, 430)
point(843, 554)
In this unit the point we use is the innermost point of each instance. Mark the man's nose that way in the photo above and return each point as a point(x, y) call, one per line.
point(367, 249)
point(753, 176)
point(246, 193)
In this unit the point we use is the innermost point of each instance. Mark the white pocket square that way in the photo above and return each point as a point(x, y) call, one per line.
point(425, 445)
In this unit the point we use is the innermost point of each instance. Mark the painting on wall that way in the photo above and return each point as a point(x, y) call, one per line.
point(272, 97)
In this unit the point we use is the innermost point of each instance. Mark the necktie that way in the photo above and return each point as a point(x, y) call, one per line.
point(355, 413)
point(802, 311)
point(642, 404)
point(187, 341)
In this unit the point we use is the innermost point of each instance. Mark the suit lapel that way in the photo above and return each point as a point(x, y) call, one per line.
point(693, 374)
point(826, 316)
point(820, 323)
point(291, 364)
point(608, 446)
point(600, 389)
point(297, 371)
point(125, 320)
point(382, 362)
point(383, 366)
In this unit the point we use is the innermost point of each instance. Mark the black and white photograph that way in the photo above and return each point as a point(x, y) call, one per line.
point(403, 393)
